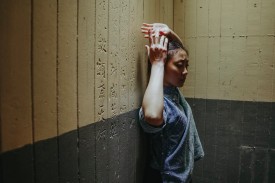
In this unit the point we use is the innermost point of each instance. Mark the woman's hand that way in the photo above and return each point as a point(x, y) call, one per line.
point(157, 51)
point(156, 29)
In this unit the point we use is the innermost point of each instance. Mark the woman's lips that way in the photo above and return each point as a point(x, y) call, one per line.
point(182, 79)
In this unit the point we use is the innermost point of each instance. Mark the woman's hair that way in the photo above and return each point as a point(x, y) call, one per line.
point(173, 48)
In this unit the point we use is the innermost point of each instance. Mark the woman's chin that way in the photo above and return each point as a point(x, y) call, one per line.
point(181, 83)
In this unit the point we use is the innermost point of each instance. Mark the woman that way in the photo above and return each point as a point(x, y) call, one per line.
point(165, 115)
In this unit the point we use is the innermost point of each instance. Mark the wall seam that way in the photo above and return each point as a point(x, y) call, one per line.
point(57, 89)
point(196, 39)
point(77, 89)
point(95, 176)
point(107, 82)
point(1, 66)
point(173, 14)
point(32, 91)
point(118, 86)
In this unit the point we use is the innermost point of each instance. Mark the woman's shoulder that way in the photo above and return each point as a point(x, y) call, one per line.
point(171, 109)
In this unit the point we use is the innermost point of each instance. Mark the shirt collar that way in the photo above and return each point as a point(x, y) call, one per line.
point(172, 93)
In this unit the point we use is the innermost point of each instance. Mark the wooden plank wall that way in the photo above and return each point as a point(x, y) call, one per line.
point(231, 47)
point(66, 65)
point(60, 44)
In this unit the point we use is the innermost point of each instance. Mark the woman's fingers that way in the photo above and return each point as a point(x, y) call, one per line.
point(147, 25)
point(161, 42)
point(151, 41)
point(145, 31)
point(165, 43)
point(146, 28)
point(157, 37)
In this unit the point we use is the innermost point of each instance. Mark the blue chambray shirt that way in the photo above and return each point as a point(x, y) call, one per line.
point(175, 145)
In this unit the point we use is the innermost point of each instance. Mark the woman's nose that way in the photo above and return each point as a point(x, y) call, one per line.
point(185, 71)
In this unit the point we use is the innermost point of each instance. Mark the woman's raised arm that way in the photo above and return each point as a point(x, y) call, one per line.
point(152, 104)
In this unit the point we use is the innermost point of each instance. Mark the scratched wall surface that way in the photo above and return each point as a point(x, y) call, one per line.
point(72, 78)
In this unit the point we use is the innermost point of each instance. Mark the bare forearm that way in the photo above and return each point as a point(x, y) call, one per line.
point(153, 98)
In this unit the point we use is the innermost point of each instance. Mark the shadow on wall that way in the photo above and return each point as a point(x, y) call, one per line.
point(141, 76)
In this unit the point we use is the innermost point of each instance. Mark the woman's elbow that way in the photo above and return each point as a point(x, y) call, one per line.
point(153, 119)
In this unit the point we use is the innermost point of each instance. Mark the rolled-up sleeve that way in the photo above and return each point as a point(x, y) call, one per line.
point(149, 128)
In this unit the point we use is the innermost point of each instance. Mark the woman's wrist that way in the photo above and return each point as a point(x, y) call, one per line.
point(160, 62)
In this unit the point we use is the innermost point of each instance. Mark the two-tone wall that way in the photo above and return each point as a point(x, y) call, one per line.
point(73, 74)
point(72, 78)
point(231, 87)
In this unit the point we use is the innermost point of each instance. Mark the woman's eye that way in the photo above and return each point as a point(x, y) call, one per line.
point(179, 64)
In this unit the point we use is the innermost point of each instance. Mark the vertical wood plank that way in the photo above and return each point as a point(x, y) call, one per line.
point(113, 88)
point(266, 69)
point(166, 12)
point(189, 85)
point(267, 17)
point(227, 67)
point(141, 65)
point(67, 90)
point(86, 83)
point(67, 71)
point(273, 58)
point(101, 90)
point(140, 142)
point(202, 18)
point(86, 63)
point(123, 89)
point(214, 22)
point(227, 22)
point(150, 10)
point(134, 90)
point(179, 18)
point(191, 19)
point(102, 150)
point(213, 77)
point(201, 65)
point(240, 17)
point(251, 65)
point(123, 64)
point(101, 60)
point(113, 57)
point(44, 69)
point(16, 112)
point(158, 11)
point(253, 17)
point(16, 98)
point(133, 54)
point(237, 79)
point(44, 89)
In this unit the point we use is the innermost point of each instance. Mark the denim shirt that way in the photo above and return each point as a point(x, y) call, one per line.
point(175, 145)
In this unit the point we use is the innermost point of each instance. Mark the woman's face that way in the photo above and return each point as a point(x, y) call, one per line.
point(176, 69)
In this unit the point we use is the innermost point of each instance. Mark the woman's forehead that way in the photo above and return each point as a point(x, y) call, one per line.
point(181, 55)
